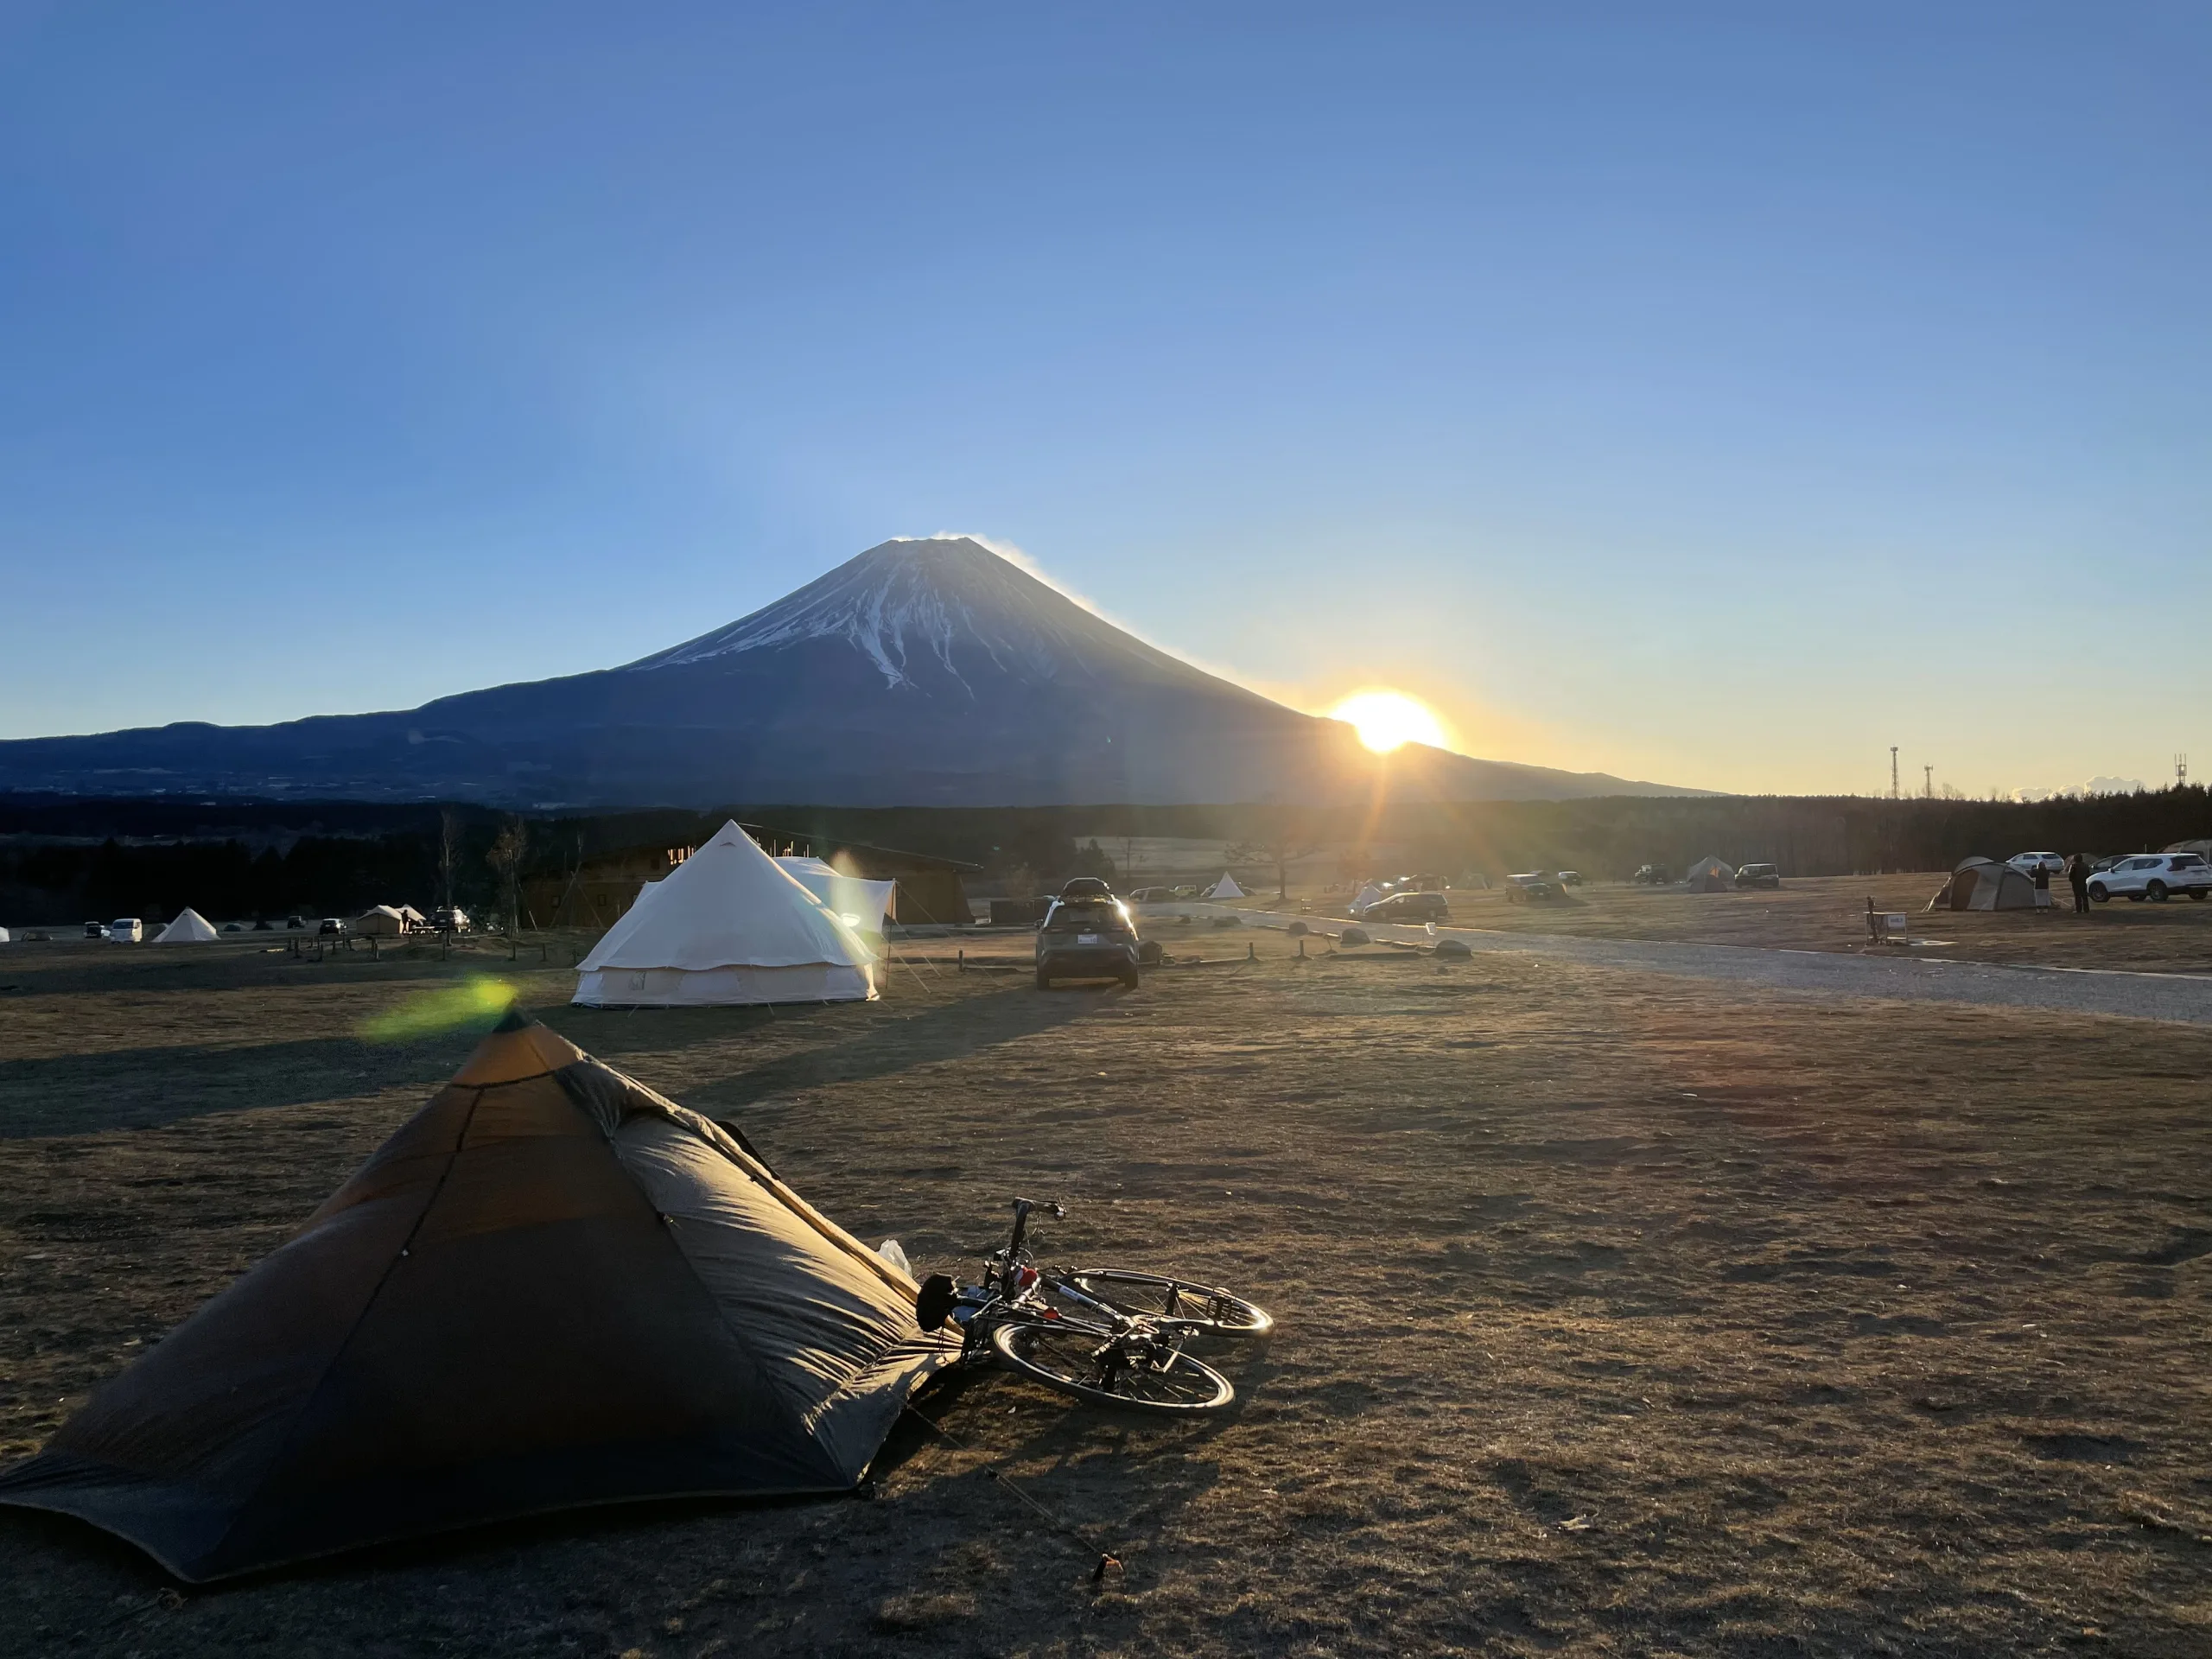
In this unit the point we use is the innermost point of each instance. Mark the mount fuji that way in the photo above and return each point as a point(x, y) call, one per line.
point(920, 673)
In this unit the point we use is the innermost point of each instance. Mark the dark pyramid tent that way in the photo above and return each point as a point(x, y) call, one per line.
point(551, 1288)
point(1712, 875)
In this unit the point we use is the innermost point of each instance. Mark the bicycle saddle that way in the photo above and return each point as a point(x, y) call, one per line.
point(934, 1304)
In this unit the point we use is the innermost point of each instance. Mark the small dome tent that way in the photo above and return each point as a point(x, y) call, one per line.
point(727, 926)
point(552, 1287)
point(1225, 888)
point(1711, 875)
point(1984, 884)
point(190, 927)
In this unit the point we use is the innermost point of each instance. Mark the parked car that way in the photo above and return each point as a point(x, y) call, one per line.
point(1530, 884)
point(1570, 878)
point(1758, 875)
point(233, 927)
point(1087, 938)
point(2155, 876)
point(1085, 887)
point(1651, 875)
point(126, 930)
point(261, 925)
point(2028, 863)
point(1415, 907)
point(449, 919)
point(296, 924)
point(95, 930)
point(331, 927)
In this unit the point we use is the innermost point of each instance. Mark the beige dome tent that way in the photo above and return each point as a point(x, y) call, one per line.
point(552, 1287)
point(1984, 884)
point(727, 925)
point(1711, 875)
point(381, 921)
point(1225, 888)
point(190, 927)
point(864, 904)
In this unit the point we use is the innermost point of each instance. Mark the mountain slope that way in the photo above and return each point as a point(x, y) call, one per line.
point(919, 673)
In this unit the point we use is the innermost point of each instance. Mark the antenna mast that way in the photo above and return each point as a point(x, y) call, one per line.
point(2180, 770)
point(1928, 782)
point(1893, 771)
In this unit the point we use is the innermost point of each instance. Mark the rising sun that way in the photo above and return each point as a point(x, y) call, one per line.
point(1387, 720)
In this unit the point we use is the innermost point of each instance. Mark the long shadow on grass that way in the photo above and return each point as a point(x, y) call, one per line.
point(886, 1043)
point(146, 1087)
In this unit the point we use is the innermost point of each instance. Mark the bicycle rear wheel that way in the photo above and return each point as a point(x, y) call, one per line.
point(1199, 1308)
point(1092, 1364)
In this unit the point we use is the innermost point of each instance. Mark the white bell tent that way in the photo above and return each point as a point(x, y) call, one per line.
point(728, 925)
point(190, 927)
point(1225, 888)
point(862, 902)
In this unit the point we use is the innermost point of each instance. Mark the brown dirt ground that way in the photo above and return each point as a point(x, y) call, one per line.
point(1615, 1318)
point(1830, 913)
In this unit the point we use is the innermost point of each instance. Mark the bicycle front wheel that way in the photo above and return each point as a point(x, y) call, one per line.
point(1094, 1364)
point(1198, 1307)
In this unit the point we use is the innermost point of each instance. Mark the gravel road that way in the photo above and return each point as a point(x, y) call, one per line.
point(2181, 998)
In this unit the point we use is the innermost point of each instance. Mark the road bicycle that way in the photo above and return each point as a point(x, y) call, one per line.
point(1108, 1335)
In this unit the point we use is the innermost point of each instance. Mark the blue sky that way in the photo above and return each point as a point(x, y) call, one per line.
point(1715, 394)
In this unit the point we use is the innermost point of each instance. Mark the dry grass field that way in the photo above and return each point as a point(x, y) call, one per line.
point(1830, 913)
point(1618, 1315)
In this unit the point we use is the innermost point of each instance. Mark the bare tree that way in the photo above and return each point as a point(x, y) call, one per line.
point(1289, 836)
point(449, 852)
point(506, 856)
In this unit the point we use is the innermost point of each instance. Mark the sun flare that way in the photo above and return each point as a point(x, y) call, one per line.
point(1388, 719)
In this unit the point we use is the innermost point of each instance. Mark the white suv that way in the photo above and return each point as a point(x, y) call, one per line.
point(2153, 875)
point(2028, 863)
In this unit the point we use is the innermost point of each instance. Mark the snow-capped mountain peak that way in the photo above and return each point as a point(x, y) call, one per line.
point(918, 609)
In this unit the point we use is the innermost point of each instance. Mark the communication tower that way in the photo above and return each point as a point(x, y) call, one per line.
point(1893, 771)
point(2180, 770)
point(1928, 782)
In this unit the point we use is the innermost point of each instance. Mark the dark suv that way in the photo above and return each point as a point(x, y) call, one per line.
point(1758, 875)
point(1415, 907)
point(1087, 938)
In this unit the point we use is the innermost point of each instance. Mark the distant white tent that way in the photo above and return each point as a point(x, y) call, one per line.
point(1225, 888)
point(3, 935)
point(1368, 895)
point(727, 925)
point(862, 902)
point(189, 928)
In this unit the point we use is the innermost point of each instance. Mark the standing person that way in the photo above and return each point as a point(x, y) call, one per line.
point(2078, 872)
point(2042, 885)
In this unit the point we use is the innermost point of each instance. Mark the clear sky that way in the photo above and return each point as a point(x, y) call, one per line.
point(1716, 394)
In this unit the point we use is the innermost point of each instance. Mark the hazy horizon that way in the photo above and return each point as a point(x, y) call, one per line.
point(1715, 400)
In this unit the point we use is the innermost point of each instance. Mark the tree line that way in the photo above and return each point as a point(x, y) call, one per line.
point(66, 859)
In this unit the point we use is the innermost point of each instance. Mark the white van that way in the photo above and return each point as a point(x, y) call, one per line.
point(126, 930)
